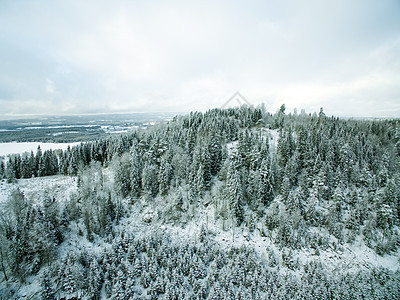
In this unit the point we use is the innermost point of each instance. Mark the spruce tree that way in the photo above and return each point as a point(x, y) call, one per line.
point(135, 175)
point(235, 194)
point(47, 291)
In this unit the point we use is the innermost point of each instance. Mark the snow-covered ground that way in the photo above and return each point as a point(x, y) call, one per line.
point(11, 148)
point(57, 186)
point(272, 135)
point(232, 147)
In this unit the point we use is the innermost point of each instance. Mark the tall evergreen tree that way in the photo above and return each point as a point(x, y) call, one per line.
point(235, 194)
point(2, 169)
point(149, 179)
point(165, 173)
point(135, 171)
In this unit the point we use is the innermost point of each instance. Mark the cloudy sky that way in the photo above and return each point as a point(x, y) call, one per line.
point(82, 56)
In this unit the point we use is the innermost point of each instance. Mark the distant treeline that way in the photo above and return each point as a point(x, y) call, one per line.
point(53, 135)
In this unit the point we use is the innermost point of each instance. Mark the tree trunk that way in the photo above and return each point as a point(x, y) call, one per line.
point(2, 265)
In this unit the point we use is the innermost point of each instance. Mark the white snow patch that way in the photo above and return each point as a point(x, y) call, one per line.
point(365, 255)
point(232, 146)
point(19, 148)
point(58, 187)
point(273, 136)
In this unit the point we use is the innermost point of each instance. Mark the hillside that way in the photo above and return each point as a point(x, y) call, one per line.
point(228, 204)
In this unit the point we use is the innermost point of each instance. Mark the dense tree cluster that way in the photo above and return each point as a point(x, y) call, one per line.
point(31, 234)
point(304, 181)
point(154, 267)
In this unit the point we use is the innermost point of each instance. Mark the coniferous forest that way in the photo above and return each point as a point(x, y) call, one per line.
point(235, 203)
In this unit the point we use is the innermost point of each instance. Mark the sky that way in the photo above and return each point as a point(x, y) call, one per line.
point(83, 56)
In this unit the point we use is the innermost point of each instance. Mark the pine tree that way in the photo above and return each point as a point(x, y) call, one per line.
point(47, 291)
point(119, 287)
point(73, 161)
point(122, 175)
point(346, 161)
point(2, 170)
point(135, 171)
point(9, 173)
point(200, 169)
point(215, 151)
point(235, 194)
point(72, 275)
point(26, 171)
point(108, 284)
point(198, 184)
point(67, 276)
point(312, 214)
point(149, 179)
point(285, 187)
point(302, 148)
point(17, 166)
point(285, 146)
point(165, 174)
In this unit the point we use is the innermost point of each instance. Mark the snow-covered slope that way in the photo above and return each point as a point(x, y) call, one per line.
point(58, 187)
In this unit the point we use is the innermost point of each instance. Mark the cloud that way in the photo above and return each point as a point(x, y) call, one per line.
point(86, 56)
point(50, 89)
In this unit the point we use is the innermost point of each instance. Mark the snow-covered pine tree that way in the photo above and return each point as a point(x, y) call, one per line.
point(235, 194)
point(149, 179)
point(47, 290)
point(94, 280)
point(135, 171)
point(165, 173)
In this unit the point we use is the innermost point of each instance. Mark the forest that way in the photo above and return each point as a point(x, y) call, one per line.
point(236, 203)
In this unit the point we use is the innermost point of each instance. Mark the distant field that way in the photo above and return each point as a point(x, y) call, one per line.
point(67, 129)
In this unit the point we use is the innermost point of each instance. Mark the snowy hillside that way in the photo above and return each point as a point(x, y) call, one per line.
point(230, 204)
point(58, 187)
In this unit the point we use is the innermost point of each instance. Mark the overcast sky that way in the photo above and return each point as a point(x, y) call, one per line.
point(78, 56)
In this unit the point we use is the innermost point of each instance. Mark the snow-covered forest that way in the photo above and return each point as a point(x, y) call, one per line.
point(234, 203)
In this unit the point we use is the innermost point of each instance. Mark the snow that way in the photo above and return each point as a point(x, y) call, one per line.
point(363, 254)
point(232, 147)
point(60, 187)
point(118, 129)
point(273, 136)
point(14, 147)
point(30, 289)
